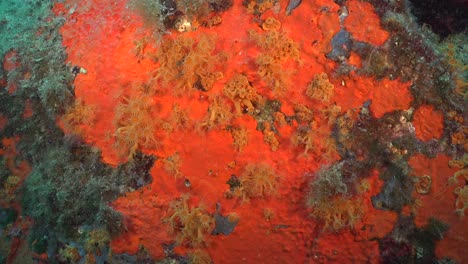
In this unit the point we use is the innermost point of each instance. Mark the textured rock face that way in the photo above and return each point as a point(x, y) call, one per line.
point(329, 131)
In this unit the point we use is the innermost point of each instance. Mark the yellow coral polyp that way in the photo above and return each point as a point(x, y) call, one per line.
point(186, 64)
point(305, 137)
point(337, 212)
point(172, 165)
point(320, 88)
point(219, 113)
point(461, 173)
point(461, 204)
point(199, 256)
point(190, 224)
point(240, 138)
point(278, 44)
point(179, 117)
point(259, 7)
point(271, 24)
point(270, 138)
point(331, 113)
point(258, 181)
point(135, 124)
point(214, 21)
point(208, 79)
point(242, 94)
point(459, 164)
point(422, 184)
point(277, 48)
point(280, 119)
point(303, 113)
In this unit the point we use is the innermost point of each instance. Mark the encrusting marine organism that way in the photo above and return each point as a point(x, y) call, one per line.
point(320, 88)
point(257, 181)
point(422, 184)
point(191, 224)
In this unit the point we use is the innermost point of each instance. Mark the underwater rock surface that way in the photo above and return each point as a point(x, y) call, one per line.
point(329, 131)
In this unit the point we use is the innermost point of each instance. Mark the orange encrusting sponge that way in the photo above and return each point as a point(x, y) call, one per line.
point(247, 97)
point(428, 123)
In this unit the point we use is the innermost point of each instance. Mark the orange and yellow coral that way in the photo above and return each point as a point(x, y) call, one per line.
point(269, 137)
point(305, 137)
point(277, 48)
point(219, 113)
point(320, 88)
point(186, 64)
point(277, 44)
point(303, 114)
point(190, 224)
point(172, 165)
point(179, 118)
point(338, 212)
point(199, 256)
point(422, 184)
point(240, 138)
point(242, 94)
point(331, 202)
point(257, 181)
point(271, 23)
point(135, 124)
point(461, 204)
point(258, 7)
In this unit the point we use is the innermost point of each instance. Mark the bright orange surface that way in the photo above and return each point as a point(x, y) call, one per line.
point(364, 24)
point(100, 36)
point(386, 95)
point(428, 123)
point(440, 203)
point(389, 96)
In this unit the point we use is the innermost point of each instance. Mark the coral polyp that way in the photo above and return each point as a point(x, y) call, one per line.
point(257, 181)
point(135, 124)
point(190, 224)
